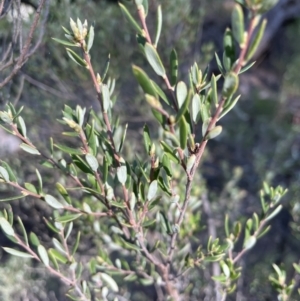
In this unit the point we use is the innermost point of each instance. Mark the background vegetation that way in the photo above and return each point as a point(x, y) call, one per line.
point(260, 141)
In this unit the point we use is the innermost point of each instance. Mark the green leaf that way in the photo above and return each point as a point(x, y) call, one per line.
point(58, 246)
point(43, 255)
point(144, 81)
point(51, 226)
point(130, 246)
point(63, 192)
point(183, 133)
point(183, 109)
point(130, 19)
point(167, 165)
point(40, 186)
point(229, 50)
point(12, 198)
point(230, 84)
point(105, 169)
point(6, 227)
point(110, 282)
point(76, 244)
point(152, 190)
point(91, 36)
point(160, 92)
point(229, 105)
point(181, 93)
point(173, 67)
point(92, 162)
point(30, 187)
point(213, 133)
point(67, 218)
point(146, 6)
point(213, 84)
point(117, 204)
point(237, 23)
point(190, 163)
point(12, 177)
point(158, 25)
point(17, 253)
point(226, 225)
point(34, 239)
point(123, 138)
point(21, 126)
point(147, 139)
point(159, 117)
point(250, 242)
point(4, 174)
point(256, 40)
point(154, 60)
point(29, 149)
point(66, 43)
point(57, 255)
point(107, 64)
point(274, 213)
point(196, 106)
point(168, 150)
point(219, 63)
point(82, 164)
point(23, 230)
point(68, 150)
point(76, 58)
point(122, 174)
point(244, 69)
point(53, 202)
point(105, 97)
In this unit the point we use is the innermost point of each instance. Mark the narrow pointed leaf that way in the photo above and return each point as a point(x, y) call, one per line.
point(216, 131)
point(68, 150)
point(183, 133)
point(90, 38)
point(34, 239)
point(29, 149)
point(6, 227)
point(237, 23)
point(131, 20)
point(17, 253)
point(12, 176)
point(53, 202)
point(68, 218)
point(40, 181)
point(4, 174)
point(65, 43)
point(152, 190)
point(12, 198)
point(256, 40)
point(154, 60)
point(43, 255)
point(92, 161)
point(181, 93)
point(106, 98)
point(158, 25)
point(183, 109)
point(229, 107)
point(230, 84)
point(196, 106)
point(122, 174)
point(23, 230)
point(144, 81)
point(173, 67)
point(76, 58)
point(213, 84)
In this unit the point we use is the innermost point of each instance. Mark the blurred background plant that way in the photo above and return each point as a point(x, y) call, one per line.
point(260, 139)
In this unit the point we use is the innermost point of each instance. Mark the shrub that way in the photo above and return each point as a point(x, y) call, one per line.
point(143, 212)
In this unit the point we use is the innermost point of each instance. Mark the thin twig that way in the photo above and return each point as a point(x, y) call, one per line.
point(22, 58)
